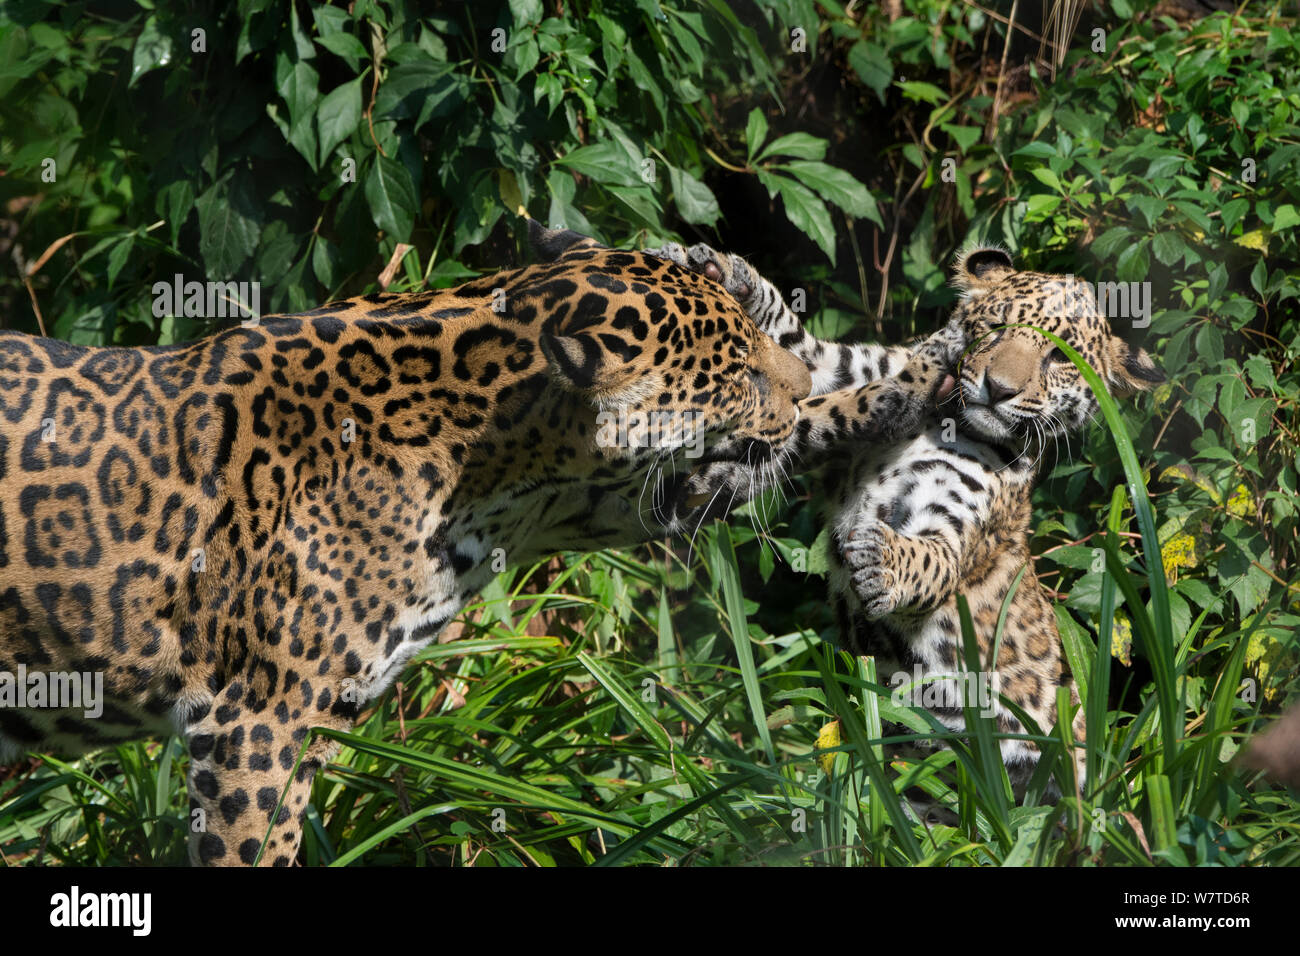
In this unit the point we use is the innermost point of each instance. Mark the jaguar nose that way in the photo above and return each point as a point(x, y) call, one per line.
point(999, 392)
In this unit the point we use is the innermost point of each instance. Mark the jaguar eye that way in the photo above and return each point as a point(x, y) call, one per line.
point(1057, 357)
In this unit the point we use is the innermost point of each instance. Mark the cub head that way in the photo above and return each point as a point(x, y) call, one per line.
point(1013, 381)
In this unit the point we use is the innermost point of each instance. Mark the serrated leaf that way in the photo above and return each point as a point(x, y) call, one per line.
point(228, 232)
point(153, 49)
point(1286, 217)
point(873, 66)
point(695, 201)
point(1168, 246)
point(526, 12)
point(836, 186)
point(755, 131)
point(604, 162)
point(797, 145)
point(346, 47)
point(391, 196)
point(1151, 208)
point(338, 116)
point(809, 213)
point(1133, 263)
point(1046, 177)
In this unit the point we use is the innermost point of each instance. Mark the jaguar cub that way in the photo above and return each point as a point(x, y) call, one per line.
point(946, 508)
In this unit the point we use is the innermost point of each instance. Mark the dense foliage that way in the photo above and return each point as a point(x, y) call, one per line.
point(666, 704)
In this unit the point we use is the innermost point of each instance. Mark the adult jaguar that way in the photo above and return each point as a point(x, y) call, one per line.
point(249, 536)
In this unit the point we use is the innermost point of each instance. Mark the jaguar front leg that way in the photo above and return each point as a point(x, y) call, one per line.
point(893, 573)
point(833, 365)
point(887, 410)
point(244, 756)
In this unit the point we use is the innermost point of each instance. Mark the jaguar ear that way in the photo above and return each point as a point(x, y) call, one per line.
point(980, 268)
point(1131, 369)
point(581, 364)
point(552, 244)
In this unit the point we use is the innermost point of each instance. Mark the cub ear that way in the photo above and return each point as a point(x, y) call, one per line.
point(980, 268)
point(1131, 370)
point(552, 244)
point(581, 364)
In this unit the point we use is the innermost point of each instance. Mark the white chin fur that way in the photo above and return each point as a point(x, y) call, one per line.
point(984, 421)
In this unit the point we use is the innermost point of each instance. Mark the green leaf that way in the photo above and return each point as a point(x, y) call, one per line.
point(153, 49)
point(526, 12)
point(925, 92)
point(1134, 263)
point(1286, 217)
point(174, 202)
point(118, 256)
point(836, 186)
point(301, 42)
point(755, 131)
point(228, 230)
point(808, 213)
point(346, 47)
point(605, 162)
point(628, 701)
point(1046, 177)
point(338, 116)
point(1036, 150)
point(1040, 205)
point(727, 576)
point(392, 198)
point(1151, 208)
point(798, 145)
point(422, 90)
point(301, 93)
point(1232, 212)
point(1168, 246)
point(695, 201)
point(873, 66)
point(964, 136)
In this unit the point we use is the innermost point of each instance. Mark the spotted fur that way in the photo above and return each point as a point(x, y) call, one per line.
point(945, 509)
point(251, 535)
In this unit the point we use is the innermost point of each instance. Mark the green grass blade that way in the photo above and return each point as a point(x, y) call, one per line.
point(727, 576)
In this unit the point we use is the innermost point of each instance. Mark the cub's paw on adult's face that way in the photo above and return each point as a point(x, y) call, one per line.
point(731, 272)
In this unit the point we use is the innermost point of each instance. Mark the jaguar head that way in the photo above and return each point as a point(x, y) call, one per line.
point(1014, 382)
point(659, 376)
